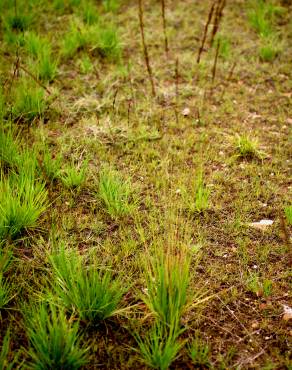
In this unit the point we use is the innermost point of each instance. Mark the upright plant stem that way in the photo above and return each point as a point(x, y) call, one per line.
point(215, 62)
point(145, 50)
point(218, 16)
point(164, 26)
point(205, 32)
point(176, 90)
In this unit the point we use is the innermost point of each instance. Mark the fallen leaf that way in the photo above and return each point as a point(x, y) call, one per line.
point(262, 224)
point(287, 313)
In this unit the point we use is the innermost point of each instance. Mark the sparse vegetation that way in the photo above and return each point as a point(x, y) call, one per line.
point(115, 193)
point(145, 196)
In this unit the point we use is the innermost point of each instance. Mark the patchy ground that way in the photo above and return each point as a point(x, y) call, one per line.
point(102, 110)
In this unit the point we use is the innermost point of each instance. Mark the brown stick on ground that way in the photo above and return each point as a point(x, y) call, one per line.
point(164, 26)
point(205, 32)
point(218, 16)
point(215, 62)
point(145, 50)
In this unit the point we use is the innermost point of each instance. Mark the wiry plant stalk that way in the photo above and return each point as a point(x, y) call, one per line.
point(215, 62)
point(229, 77)
point(218, 16)
point(145, 50)
point(164, 26)
point(205, 32)
point(176, 90)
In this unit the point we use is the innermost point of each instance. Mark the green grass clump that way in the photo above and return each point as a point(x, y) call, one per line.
point(197, 199)
point(46, 66)
point(269, 49)
point(76, 39)
point(247, 147)
point(35, 44)
point(22, 201)
point(9, 149)
point(73, 177)
point(17, 22)
point(108, 43)
point(167, 280)
point(157, 348)
point(6, 287)
point(115, 193)
point(29, 101)
point(54, 339)
point(261, 16)
point(5, 291)
point(100, 38)
point(89, 13)
point(199, 352)
point(111, 5)
point(84, 288)
point(288, 213)
point(6, 363)
point(51, 164)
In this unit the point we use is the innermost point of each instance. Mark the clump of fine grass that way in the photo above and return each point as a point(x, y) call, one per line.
point(261, 16)
point(115, 193)
point(269, 49)
point(84, 288)
point(46, 67)
point(35, 44)
point(73, 177)
point(288, 213)
point(43, 65)
point(17, 22)
point(99, 38)
point(54, 340)
point(167, 280)
point(197, 199)
point(23, 200)
point(199, 353)
point(9, 149)
point(6, 286)
point(51, 164)
point(247, 147)
point(111, 5)
point(157, 348)
point(89, 13)
point(6, 362)
point(29, 101)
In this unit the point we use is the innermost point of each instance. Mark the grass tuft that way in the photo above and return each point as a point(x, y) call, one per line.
point(288, 213)
point(167, 280)
point(54, 340)
point(115, 193)
point(73, 177)
point(22, 201)
point(6, 363)
point(247, 147)
point(157, 348)
point(29, 102)
point(199, 352)
point(84, 288)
